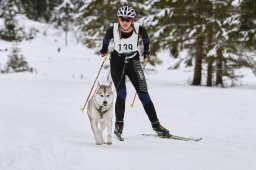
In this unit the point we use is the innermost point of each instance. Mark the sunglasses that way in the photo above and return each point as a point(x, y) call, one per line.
point(123, 19)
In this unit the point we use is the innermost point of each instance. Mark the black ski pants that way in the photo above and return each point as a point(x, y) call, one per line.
point(135, 73)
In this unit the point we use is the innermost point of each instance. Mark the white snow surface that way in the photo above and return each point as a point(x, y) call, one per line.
point(42, 128)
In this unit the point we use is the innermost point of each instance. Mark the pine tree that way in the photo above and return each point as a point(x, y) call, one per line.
point(246, 35)
point(248, 23)
point(65, 17)
point(78, 7)
point(223, 45)
point(16, 61)
point(198, 31)
point(36, 10)
point(209, 29)
point(40, 10)
point(1, 8)
point(97, 16)
point(10, 11)
point(159, 24)
point(227, 47)
point(180, 24)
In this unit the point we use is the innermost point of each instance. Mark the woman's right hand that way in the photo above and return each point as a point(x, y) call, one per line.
point(146, 55)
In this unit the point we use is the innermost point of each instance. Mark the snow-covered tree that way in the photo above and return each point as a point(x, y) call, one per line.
point(158, 21)
point(1, 8)
point(179, 24)
point(16, 61)
point(65, 17)
point(208, 29)
point(248, 23)
point(40, 10)
point(246, 35)
point(10, 11)
point(229, 41)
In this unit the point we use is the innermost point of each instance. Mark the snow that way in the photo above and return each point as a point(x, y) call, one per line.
point(236, 2)
point(65, 4)
point(42, 128)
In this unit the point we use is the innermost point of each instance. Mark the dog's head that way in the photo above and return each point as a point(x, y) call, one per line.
point(104, 94)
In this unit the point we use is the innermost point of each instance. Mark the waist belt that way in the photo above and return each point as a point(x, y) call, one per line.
point(128, 55)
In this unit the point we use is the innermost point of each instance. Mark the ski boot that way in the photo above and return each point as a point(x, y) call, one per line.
point(160, 130)
point(119, 125)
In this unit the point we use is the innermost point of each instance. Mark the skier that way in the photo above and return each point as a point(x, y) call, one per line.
point(124, 60)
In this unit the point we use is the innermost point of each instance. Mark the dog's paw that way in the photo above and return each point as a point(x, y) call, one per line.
point(109, 143)
point(109, 140)
point(99, 142)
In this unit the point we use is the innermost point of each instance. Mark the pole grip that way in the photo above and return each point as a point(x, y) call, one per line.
point(105, 57)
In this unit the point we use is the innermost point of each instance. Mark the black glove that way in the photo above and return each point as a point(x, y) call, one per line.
point(146, 55)
point(103, 52)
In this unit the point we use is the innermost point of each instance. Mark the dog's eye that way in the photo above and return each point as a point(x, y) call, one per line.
point(101, 96)
point(107, 95)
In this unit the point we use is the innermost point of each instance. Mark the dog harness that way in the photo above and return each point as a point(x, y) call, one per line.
point(101, 111)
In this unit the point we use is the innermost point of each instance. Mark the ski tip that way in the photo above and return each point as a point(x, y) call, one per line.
point(198, 139)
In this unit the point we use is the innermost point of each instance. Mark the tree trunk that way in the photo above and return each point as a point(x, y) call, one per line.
point(210, 59)
point(198, 62)
point(66, 38)
point(209, 71)
point(219, 68)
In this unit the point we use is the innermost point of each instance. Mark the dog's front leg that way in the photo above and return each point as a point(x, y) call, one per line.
point(102, 127)
point(109, 130)
point(96, 132)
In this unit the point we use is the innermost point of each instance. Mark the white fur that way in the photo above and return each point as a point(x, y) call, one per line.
point(102, 94)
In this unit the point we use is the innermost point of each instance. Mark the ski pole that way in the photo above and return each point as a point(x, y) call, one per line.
point(145, 62)
point(133, 99)
point(105, 58)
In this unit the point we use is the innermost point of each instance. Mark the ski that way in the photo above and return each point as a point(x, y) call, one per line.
point(175, 137)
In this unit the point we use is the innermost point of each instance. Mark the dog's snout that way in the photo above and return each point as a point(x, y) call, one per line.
point(105, 103)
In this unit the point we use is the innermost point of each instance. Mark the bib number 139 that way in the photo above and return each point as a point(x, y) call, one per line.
point(125, 47)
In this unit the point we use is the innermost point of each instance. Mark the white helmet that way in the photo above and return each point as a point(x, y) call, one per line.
point(126, 11)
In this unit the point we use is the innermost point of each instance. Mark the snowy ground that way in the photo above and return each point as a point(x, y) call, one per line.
point(42, 128)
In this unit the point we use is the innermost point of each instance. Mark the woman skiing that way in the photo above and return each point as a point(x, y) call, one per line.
point(124, 60)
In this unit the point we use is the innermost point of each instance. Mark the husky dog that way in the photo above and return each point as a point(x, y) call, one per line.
point(100, 112)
